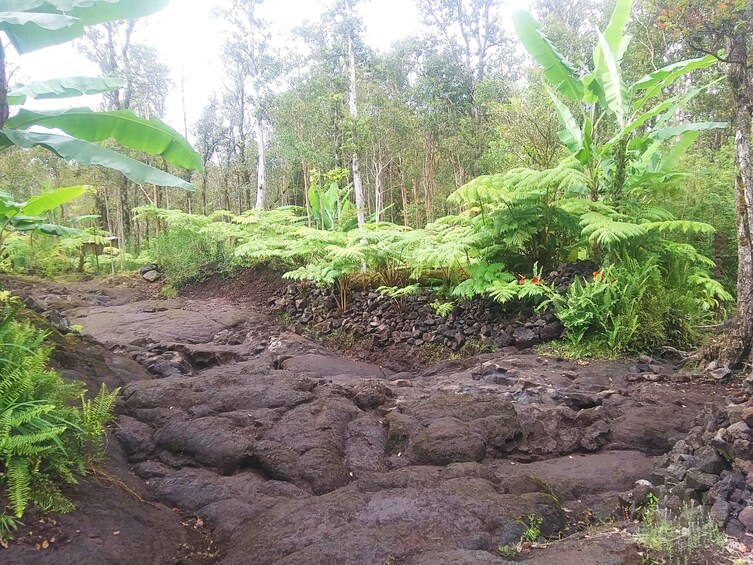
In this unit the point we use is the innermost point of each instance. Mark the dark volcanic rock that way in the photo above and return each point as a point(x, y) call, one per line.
point(447, 440)
point(525, 338)
point(367, 522)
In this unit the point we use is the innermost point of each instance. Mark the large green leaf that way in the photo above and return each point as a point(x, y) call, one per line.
point(669, 160)
point(54, 229)
point(47, 229)
point(67, 87)
point(615, 90)
point(87, 153)
point(30, 37)
point(150, 136)
point(49, 22)
point(660, 79)
point(51, 200)
point(614, 34)
point(665, 109)
point(571, 136)
point(667, 133)
point(556, 69)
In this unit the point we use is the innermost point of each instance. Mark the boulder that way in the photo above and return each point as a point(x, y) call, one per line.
point(151, 276)
point(525, 338)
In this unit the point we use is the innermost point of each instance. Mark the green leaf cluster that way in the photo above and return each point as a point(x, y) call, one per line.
point(34, 24)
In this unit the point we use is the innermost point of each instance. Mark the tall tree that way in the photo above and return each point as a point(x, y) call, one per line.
point(146, 82)
point(711, 27)
point(210, 133)
point(251, 70)
point(350, 31)
point(256, 79)
point(471, 26)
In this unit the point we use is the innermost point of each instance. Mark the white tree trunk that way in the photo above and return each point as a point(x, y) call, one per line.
point(353, 107)
point(377, 192)
point(253, 33)
point(261, 176)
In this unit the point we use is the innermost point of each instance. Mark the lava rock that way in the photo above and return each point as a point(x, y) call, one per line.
point(151, 276)
point(445, 441)
point(700, 481)
point(746, 518)
point(525, 338)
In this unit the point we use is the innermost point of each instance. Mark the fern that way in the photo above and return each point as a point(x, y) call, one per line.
point(481, 277)
point(443, 308)
point(684, 226)
point(18, 479)
point(502, 292)
point(607, 232)
point(399, 292)
point(44, 440)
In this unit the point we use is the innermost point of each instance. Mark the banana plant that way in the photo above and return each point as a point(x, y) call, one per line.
point(28, 217)
point(329, 204)
point(623, 137)
point(30, 25)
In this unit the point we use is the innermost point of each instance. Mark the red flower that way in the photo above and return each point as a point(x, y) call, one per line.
point(535, 280)
point(522, 280)
point(597, 274)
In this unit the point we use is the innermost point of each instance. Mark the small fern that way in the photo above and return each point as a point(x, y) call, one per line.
point(45, 441)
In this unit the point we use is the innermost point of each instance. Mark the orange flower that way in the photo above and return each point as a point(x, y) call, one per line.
point(535, 280)
point(597, 274)
point(522, 280)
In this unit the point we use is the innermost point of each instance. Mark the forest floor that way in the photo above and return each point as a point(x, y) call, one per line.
point(241, 441)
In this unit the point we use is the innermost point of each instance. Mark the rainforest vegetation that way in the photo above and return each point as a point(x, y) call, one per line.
point(468, 161)
point(441, 163)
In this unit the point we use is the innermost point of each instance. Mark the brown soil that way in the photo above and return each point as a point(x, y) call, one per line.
point(235, 429)
point(256, 286)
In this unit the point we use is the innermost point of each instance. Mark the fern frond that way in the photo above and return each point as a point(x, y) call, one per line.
point(18, 479)
point(684, 226)
point(607, 232)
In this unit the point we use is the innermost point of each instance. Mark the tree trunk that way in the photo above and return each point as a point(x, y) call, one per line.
point(739, 349)
point(125, 213)
point(377, 192)
point(253, 47)
point(4, 109)
point(353, 108)
point(204, 181)
point(416, 207)
point(261, 173)
point(306, 186)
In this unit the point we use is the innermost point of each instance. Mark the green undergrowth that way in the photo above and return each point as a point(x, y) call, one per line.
point(50, 433)
point(690, 537)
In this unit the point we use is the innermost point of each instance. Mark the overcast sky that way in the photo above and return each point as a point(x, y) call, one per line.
point(189, 40)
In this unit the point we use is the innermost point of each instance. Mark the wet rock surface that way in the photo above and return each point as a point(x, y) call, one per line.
point(290, 454)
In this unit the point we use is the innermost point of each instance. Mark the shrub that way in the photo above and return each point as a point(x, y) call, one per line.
point(635, 306)
point(49, 432)
point(186, 255)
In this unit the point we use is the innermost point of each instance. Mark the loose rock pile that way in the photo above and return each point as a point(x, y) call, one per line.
point(713, 466)
point(413, 321)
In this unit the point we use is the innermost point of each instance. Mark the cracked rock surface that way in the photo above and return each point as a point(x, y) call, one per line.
point(288, 453)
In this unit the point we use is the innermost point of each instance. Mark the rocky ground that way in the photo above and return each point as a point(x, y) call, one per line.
point(239, 441)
